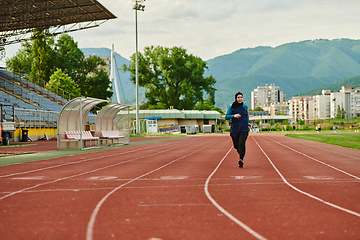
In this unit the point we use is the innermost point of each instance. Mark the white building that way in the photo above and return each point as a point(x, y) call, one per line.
point(299, 107)
point(357, 102)
point(263, 96)
point(278, 109)
point(326, 105)
point(321, 106)
point(347, 99)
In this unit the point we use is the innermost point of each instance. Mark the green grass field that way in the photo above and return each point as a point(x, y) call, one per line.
point(351, 140)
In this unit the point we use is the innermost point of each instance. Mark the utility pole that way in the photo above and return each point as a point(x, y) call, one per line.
point(137, 6)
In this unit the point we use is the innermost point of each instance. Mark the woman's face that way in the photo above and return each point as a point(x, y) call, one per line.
point(239, 98)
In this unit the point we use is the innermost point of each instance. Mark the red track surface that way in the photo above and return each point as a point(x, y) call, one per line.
point(190, 188)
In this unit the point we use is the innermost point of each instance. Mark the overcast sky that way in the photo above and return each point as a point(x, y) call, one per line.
point(210, 28)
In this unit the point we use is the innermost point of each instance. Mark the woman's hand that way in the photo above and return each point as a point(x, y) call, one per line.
point(237, 115)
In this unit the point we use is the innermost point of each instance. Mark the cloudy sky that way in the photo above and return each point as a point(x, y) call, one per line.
point(210, 28)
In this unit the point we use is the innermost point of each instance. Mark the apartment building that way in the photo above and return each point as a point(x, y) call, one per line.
point(347, 99)
point(299, 107)
point(323, 106)
point(264, 96)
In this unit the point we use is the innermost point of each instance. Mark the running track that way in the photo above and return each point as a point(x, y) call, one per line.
point(188, 188)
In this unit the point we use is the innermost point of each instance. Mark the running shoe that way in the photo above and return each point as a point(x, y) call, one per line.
point(241, 163)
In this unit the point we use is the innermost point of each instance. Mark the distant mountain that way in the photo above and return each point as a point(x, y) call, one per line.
point(353, 82)
point(128, 86)
point(293, 67)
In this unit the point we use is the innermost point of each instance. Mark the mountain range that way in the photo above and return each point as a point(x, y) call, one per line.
point(294, 67)
point(353, 82)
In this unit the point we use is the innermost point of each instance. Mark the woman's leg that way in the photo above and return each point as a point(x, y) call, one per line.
point(241, 147)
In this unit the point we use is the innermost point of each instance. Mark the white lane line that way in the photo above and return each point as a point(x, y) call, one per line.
point(29, 178)
point(319, 178)
point(246, 177)
point(101, 178)
point(65, 164)
point(342, 154)
point(90, 228)
point(80, 174)
point(173, 177)
point(328, 165)
point(234, 219)
point(305, 193)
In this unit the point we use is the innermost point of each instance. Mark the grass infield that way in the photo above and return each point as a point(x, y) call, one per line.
point(350, 140)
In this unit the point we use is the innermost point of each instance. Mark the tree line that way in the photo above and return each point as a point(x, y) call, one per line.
point(171, 76)
point(61, 64)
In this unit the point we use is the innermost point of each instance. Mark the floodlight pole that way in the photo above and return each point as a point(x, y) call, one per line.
point(137, 7)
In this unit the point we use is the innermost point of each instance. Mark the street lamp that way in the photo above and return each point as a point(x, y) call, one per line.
point(137, 6)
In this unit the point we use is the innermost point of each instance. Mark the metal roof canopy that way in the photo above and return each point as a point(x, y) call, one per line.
point(19, 17)
point(178, 114)
point(107, 117)
point(72, 117)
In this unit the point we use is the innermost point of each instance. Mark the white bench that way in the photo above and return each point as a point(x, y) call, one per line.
point(75, 136)
point(111, 135)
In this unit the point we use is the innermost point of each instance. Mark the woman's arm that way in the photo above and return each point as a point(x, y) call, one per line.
point(247, 118)
point(229, 114)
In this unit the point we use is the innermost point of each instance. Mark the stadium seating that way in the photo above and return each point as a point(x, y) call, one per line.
point(34, 105)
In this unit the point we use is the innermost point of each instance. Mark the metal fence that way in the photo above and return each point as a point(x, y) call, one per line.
point(28, 118)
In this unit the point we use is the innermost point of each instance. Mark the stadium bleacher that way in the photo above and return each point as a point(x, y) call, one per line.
point(33, 105)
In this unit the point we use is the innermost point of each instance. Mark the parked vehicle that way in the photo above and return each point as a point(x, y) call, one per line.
point(7, 128)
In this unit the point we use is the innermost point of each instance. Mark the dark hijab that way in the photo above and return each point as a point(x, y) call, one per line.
point(236, 104)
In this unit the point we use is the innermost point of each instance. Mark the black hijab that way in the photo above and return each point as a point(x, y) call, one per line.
point(236, 104)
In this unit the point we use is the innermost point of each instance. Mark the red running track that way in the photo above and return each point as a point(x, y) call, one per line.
point(190, 188)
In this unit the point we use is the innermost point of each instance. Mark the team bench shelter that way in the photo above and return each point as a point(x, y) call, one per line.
point(109, 127)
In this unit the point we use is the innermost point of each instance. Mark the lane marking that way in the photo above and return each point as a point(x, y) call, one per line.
point(246, 177)
point(102, 178)
point(234, 219)
point(173, 205)
point(331, 151)
point(305, 193)
point(319, 177)
point(29, 178)
point(83, 173)
point(82, 160)
point(90, 227)
point(173, 177)
point(314, 159)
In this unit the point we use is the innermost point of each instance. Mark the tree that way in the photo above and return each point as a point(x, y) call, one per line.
point(40, 58)
point(343, 113)
point(70, 58)
point(258, 109)
point(207, 105)
point(36, 59)
point(212, 96)
point(60, 80)
point(340, 113)
point(2, 52)
point(43, 58)
point(300, 121)
point(171, 77)
point(20, 63)
point(94, 82)
point(204, 105)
